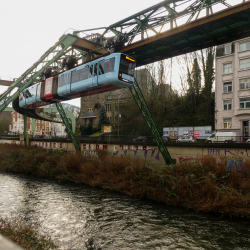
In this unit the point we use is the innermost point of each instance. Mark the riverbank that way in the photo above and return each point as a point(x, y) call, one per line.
point(202, 186)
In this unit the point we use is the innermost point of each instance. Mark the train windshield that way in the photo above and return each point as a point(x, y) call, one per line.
point(127, 65)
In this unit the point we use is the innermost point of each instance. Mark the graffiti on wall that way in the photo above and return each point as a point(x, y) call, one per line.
point(228, 152)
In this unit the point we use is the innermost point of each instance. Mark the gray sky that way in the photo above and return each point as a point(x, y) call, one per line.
point(28, 28)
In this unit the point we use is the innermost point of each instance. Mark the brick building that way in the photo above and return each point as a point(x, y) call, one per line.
point(17, 125)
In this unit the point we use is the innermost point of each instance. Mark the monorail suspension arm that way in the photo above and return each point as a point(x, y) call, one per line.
point(138, 96)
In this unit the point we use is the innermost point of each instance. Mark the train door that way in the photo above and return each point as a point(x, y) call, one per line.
point(95, 75)
point(68, 88)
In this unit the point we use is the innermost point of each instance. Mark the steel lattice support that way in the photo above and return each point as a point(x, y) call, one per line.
point(34, 73)
point(138, 96)
point(68, 127)
point(163, 16)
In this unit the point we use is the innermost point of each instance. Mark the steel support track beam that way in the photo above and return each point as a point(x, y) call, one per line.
point(66, 122)
point(139, 99)
point(31, 75)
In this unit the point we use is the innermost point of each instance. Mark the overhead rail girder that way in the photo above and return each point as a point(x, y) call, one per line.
point(219, 28)
point(168, 29)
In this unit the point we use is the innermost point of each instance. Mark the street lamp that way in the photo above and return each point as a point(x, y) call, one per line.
point(118, 116)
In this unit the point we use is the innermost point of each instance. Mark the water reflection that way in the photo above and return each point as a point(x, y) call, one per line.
point(78, 217)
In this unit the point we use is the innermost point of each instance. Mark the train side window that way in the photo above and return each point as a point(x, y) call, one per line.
point(112, 64)
point(61, 81)
point(84, 73)
point(33, 91)
point(38, 89)
point(76, 76)
point(106, 66)
point(21, 97)
point(95, 69)
point(101, 68)
point(90, 70)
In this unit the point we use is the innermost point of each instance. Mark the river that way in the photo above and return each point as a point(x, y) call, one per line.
point(79, 217)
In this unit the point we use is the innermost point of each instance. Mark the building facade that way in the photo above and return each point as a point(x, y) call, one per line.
point(90, 105)
point(232, 87)
point(17, 125)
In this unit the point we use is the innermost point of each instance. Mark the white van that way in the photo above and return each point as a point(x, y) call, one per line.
point(222, 137)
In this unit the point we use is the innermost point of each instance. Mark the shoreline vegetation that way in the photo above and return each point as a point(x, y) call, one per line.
point(199, 185)
point(24, 235)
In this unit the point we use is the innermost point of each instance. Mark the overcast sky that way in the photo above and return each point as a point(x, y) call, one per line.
point(28, 28)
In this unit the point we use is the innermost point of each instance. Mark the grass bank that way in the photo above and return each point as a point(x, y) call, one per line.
point(202, 186)
point(24, 235)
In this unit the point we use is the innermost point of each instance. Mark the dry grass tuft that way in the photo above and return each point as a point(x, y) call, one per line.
point(24, 235)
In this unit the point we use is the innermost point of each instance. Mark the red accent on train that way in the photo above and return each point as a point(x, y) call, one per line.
point(48, 88)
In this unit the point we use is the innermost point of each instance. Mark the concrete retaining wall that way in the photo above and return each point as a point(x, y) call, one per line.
point(150, 152)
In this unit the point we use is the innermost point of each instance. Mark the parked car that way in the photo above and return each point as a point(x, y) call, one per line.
point(165, 138)
point(248, 141)
point(142, 139)
point(189, 139)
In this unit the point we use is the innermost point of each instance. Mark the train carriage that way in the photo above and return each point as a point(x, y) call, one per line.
point(108, 73)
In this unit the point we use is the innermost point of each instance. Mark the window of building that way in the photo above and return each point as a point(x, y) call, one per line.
point(245, 103)
point(227, 87)
point(227, 104)
point(244, 46)
point(245, 83)
point(108, 107)
point(227, 68)
point(245, 64)
point(227, 49)
point(90, 110)
point(227, 123)
point(14, 119)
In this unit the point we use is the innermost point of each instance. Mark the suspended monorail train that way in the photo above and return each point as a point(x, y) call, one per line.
point(108, 73)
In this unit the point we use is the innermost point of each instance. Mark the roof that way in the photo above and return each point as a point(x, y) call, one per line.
point(88, 115)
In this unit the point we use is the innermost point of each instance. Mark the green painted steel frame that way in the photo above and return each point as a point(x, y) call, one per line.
point(66, 122)
point(34, 73)
point(138, 96)
point(161, 15)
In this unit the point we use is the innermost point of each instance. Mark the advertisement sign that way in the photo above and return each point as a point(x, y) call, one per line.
point(197, 134)
point(107, 128)
point(185, 133)
point(48, 88)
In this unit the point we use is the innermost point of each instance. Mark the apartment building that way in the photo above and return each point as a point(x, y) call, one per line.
point(232, 87)
point(17, 125)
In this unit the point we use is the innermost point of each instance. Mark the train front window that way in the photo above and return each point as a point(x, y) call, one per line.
point(127, 66)
point(21, 97)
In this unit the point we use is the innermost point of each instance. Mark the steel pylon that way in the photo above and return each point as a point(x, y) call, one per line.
point(67, 125)
point(139, 98)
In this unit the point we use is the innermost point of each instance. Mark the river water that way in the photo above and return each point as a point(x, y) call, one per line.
point(79, 217)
